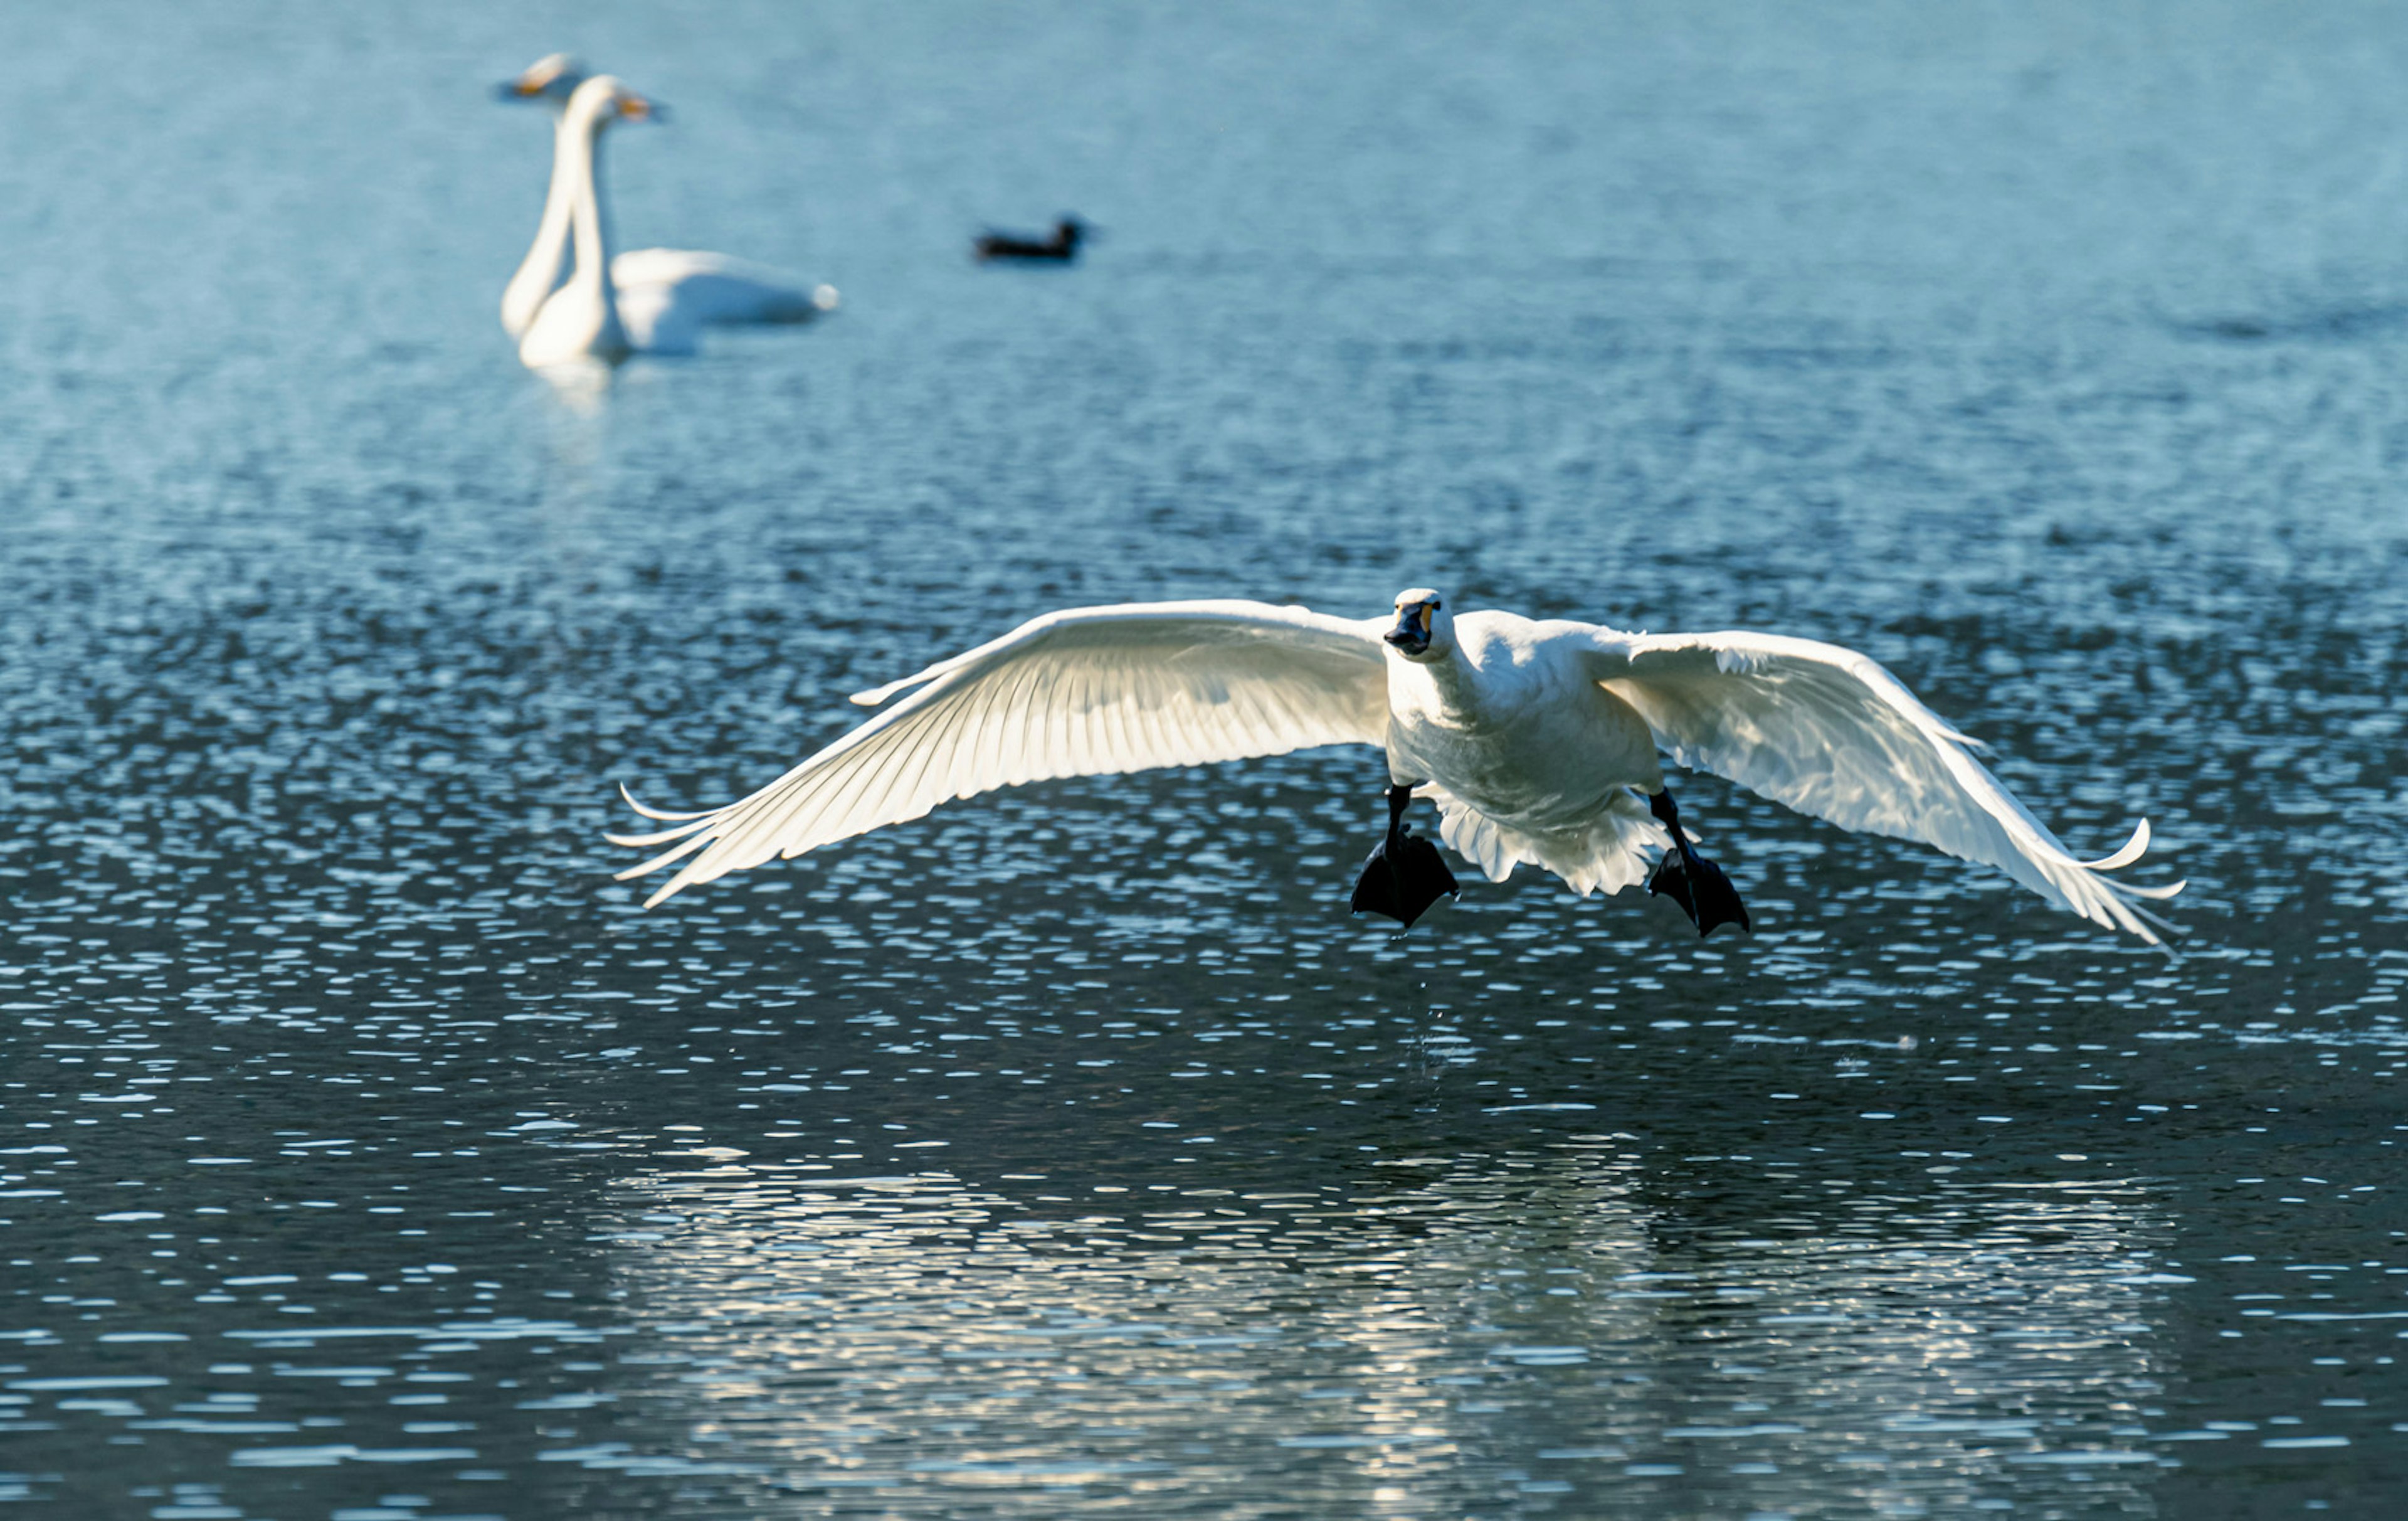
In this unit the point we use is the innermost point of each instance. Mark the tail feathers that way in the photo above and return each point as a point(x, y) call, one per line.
point(1615, 850)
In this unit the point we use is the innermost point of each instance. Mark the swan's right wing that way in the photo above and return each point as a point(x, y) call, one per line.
point(1088, 692)
point(1830, 732)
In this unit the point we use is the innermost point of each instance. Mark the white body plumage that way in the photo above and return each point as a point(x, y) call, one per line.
point(1526, 756)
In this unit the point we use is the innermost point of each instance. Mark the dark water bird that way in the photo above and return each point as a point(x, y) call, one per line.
point(1060, 247)
point(1537, 741)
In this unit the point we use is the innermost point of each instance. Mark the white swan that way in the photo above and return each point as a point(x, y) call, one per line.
point(551, 79)
point(1537, 741)
point(663, 297)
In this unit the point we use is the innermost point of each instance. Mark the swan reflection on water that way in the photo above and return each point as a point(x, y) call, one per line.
point(1452, 1330)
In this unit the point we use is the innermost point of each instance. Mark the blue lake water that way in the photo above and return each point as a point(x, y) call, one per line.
point(365, 1152)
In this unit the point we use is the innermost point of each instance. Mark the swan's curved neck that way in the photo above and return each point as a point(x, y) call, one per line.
point(540, 272)
point(1450, 679)
point(590, 220)
point(1453, 679)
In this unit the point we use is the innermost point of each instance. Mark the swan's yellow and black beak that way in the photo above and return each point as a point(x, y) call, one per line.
point(634, 107)
point(1411, 635)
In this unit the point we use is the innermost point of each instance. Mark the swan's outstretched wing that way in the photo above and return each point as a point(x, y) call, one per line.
point(1087, 692)
point(1830, 732)
point(668, 296)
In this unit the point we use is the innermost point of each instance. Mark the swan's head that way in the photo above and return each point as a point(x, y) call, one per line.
point(1424, 631)
point(606, 98)
point(552, 79)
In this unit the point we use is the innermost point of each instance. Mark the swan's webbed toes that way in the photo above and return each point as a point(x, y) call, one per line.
point(1402, 878)
point(1702, 890)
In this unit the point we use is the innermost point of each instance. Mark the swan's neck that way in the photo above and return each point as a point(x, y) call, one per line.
point(539, 274)
point(590, 222)
point(1452, 682)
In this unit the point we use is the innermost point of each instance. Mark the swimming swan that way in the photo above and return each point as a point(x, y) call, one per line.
point(1537, 741)
point(663, 297)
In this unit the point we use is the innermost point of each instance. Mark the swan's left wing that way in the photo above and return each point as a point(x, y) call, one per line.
point(1088, 692)
point(1829, 732)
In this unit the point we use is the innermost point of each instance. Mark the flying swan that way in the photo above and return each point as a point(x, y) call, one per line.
point(1537, 741)
point(655, 300)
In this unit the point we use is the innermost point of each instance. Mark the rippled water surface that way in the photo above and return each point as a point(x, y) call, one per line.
point(369, 1155)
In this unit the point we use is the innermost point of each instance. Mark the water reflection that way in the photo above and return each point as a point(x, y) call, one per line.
point(1415, 1339)
point(581, 386)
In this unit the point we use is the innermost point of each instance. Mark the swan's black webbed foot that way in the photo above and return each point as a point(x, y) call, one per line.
point(1691, 880)
point(1405, 875)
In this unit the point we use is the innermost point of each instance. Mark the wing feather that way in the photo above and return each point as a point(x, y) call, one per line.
point(1093, 691)
point(1830, 732)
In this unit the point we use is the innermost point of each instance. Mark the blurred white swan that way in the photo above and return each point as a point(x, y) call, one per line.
point(1537, 741)
point(664, 297)
point(551, 79)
